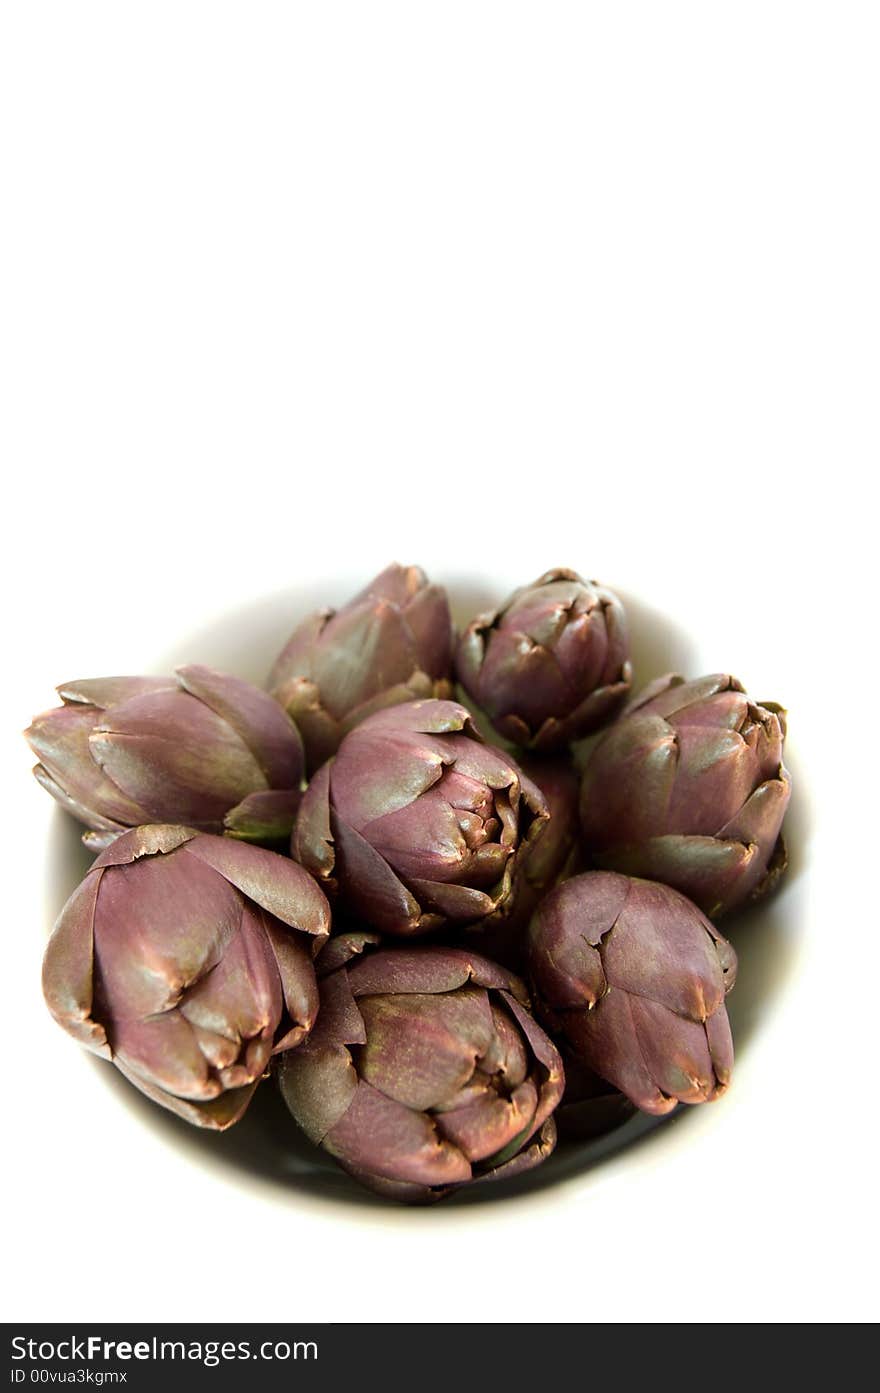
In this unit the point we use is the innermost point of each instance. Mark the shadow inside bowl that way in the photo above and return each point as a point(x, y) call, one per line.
point(266, 1145)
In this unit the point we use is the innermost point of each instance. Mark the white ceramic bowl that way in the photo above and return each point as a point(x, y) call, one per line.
point(265, 1146)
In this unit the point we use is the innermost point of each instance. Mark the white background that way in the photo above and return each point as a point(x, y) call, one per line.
point(293, 290)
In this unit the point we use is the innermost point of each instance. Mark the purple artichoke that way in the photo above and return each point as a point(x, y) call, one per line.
point(688, 787)
point(187, 961)
point(425, 1070)
point(391, 643)
point(634, 977)
point(202, 748)
point(551, 664)
point(416, 823)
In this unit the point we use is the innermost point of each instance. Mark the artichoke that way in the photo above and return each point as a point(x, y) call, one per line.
point(415, 823)
point(634, 977)
point(202, 748)
point(187, 960)
point(688, 787)
point(551, 665)
point(425, 1070)
point(391, 643)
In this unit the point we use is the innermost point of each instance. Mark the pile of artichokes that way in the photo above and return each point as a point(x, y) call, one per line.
point(441, 948)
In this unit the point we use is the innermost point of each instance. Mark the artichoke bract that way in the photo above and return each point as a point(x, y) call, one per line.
point(633, 977)
point(425, 1071)
point(553, 856)
point(689, 788)
point(391, 643)
point(415, 823)
point(551, 665)
point(202, 749)
point(186, 959)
